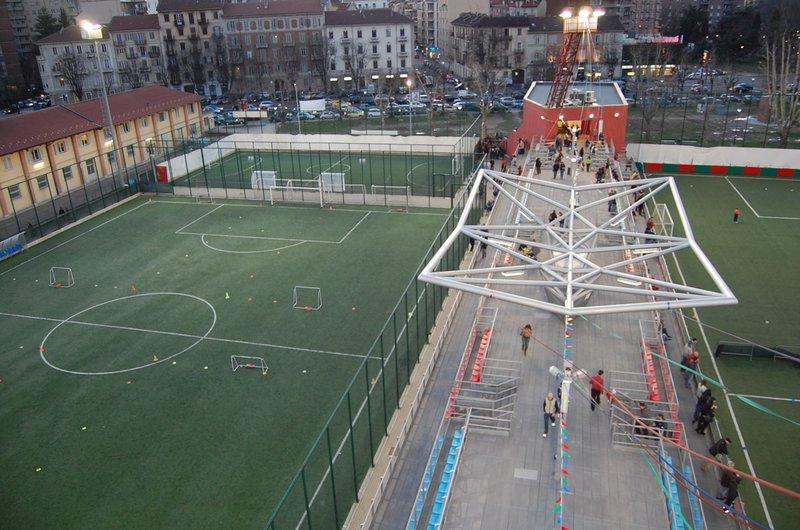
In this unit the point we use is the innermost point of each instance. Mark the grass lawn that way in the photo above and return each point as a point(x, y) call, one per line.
point(131, 415)
point(758, 258)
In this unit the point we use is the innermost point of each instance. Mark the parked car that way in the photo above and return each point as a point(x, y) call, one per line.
point(418, 108)
point(374, 112)
point(212, 108)
point(466, 105)
point(507, 101)
point(304, 116)
point(742, 88)
point(266, 105)
point(424, 98)
point(518, 103)
point(328, 115)
point(353, 112)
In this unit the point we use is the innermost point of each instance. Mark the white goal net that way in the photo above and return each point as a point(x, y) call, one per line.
point(307, 298)
point(61, 277)
point(261, 180)
point(249, 362)
point(332, 181)
point(204, 198)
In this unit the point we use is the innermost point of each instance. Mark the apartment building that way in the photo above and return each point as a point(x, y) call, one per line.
point(369, 46)
point(272, 45)
point(73, 68)
point(11, 81)
point(136, 42)
point(428, 20)
point(527, 43)
point(517, 8)
point(194, 45)
point(46, 153)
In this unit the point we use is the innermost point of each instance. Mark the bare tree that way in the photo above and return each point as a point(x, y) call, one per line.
point(782, 69)
point(354, 58)
point(486, 58)
point(73, 71)
point(321, 52)
point(133, 74)
point(611, 60)
point(193, 67)
point(649, 61)
point(223, 68)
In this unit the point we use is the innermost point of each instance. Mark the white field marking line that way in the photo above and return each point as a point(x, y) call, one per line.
point(742, 196)
point(692, 175)
point(301, 208)
point(203, 240)
point(337, 163)
point(134, 368)
point(793, 400)
point(779, 217)
point(178, 231)
point(355, 418)
point(742, 443)
point(351, 230)
point(18, 265)
point(266, 238)
point(185, 335)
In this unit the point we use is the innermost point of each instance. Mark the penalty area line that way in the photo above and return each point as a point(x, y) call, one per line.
point(178, 334)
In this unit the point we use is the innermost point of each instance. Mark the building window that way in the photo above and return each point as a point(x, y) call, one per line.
point(161, 116)
point(84, 139)
point(402, 32)
point(35, 154)
point(374, 48)
point(303, 52)
point(41, 181)
point(67, 173)
point(388, 63)
point(402, 63)
point(130, 151)
point(374, 33)
point(191, 108)
point(61, 147)
point(7, 163)
point(344, 34)
point(358, 34)
point(126, 126)
point(143, 121)
point(388, 48)
point(13, 191)
point(388, 32)
point(103, 48)
point(166, 17)
point(333, 65)
point(374, 65)
point(330, 35)
point(91, 169)
point(79, 48)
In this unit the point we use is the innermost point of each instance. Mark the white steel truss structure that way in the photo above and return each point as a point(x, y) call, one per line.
point(586, 257)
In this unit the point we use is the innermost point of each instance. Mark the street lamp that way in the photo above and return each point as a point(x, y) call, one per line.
point(409, 84)
point(297, 113)
point(94, 33)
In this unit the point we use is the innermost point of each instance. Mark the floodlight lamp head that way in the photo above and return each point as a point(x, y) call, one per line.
point(566, 13)
point(584, 13)
point(598, 12)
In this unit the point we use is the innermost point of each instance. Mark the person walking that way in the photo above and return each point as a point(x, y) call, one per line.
point(521, 147)
point(561, 168)
point(561, 219)
point(703, 402)
point(526, 333)
point(689, 362)
point(706, 418)
point(643, 416)
point(718, 450)
point(504, 164)
point(551, 409)
point(538, 166)
point(588, 162)
point(598, 384)
point(736, 213)
point(702, 386)
point(552, 216)
point(556, 167)
point(733, 493)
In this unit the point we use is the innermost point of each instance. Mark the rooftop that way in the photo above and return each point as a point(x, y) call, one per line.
point(172, 6)
point(534, 24)
point(71, 33)
point(133, 23)
point(604, 93)
point(365, 17)
point(47, 125)
point(271, 9)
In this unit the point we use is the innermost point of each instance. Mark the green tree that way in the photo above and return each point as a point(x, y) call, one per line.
point(64, 18)
point(46, 24)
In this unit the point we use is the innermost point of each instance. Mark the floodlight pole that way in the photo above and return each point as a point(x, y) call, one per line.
point(94, 33)
point(297, 99)
point(409, 84)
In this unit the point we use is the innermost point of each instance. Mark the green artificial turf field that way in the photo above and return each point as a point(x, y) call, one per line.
point(131, 414)
point(423, 173)
point(758, 258)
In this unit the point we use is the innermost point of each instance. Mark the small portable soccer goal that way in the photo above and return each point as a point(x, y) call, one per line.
point(61, 277)
point(307, 298)
point(204, 198)
point(249, 363)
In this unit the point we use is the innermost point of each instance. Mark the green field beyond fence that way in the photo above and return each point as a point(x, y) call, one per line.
point(121, 407)
point(422, 173)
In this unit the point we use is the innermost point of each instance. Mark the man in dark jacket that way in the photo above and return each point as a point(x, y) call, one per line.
point(733, 493)
point(718, 450)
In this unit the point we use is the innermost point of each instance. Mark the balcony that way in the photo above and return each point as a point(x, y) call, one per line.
point(402, 54)
point(169, 38)
point(374, 40)
point(203, 22)
point(345, 40)
point(402, 38)
point(375, 55)
point(193, 37)
point(153, 53)
point(262, 45)
point(144, 66)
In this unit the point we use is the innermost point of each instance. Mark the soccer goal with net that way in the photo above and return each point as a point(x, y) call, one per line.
point(249, 362)
point(261, 180)
point(394, 196)
point(61, 277)
point(204, 198)
point(307, 298)
point(332, 181)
